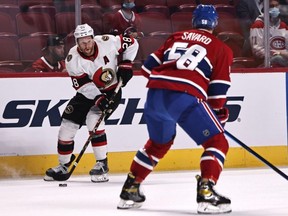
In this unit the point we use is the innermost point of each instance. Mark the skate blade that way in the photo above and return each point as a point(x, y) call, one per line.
point(99, 178)
point(208, 208)
point(48, 178)
point(128, 204)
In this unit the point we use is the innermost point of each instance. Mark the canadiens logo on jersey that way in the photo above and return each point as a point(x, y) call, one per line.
point(278, 43)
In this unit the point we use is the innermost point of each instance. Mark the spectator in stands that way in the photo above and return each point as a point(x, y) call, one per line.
point(126, 21)
point(278, 37)
point(53, 57)
point(248, 11)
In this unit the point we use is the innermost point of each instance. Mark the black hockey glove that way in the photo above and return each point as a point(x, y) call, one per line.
point(125, 71)
point(222, 114)
point(102, 102)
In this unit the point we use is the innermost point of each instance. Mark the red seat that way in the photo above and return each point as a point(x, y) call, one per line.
point(94, 11)
point(35, 2)
point(158, 8)
point(140, 4)
point(234, 40)
point(244, 62)
point(154, 21)
point(30, 47)
point(214, 2)
point(225, 9)
point(9, 46)
point(148, 45)
point(7, 23)
point(11, 66)
point(228, 22)
point(107, 4)
point(49, 9)
point(31, 22)
point(65, 22)
point(107, 20)
point(176, 3)
point(186, 8)
point(15, 2)
point(10, 9)
point(181, 21)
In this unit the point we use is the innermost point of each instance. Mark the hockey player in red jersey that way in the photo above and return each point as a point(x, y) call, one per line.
point(188, 78)
point(95, 71)
point(53, 57)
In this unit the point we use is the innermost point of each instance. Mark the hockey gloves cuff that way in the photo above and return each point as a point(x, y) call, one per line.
point(222, 114)
point(102, 102)
point(125, 71)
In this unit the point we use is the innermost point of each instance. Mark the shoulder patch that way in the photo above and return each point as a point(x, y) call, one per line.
point(105, 37)
point(69, 57)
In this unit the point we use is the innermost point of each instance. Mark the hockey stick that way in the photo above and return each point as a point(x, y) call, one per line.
point(256, 155)
point(64, 177)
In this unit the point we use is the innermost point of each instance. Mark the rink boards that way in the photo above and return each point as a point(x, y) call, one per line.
point(30, 117)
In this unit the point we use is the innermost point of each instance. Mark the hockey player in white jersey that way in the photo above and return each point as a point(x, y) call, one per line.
point(95, 65)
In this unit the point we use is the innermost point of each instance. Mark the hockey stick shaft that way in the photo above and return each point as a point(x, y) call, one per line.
point(257, 155)
point(64, 177)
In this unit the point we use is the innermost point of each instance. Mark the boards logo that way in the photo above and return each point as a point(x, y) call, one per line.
point(32, 113)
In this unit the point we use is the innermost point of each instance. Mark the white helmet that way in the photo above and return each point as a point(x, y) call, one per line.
point(83, 31)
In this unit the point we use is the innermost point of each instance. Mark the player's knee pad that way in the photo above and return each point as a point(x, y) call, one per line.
point(67, 130)
point(157, 150)
point(99, 138)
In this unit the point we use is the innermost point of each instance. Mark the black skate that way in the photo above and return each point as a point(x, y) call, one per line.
point(209, 201)
point(58, 170)
point(99, 173)
point(131, 194)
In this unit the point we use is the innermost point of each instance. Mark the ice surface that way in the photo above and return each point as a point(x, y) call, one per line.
point(252, 192)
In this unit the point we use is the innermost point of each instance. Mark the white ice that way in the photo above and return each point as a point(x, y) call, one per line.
point(252, 192)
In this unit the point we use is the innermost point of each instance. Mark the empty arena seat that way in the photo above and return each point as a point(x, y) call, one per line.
point(244, 62)
point(148, 45)
point(7, 23)
point(9, 46)
point(234, 40)
point(154, 21)
point(65, 22)
point(186, 8)
point(158, 8)
point(30, 47)
point(30, 22)
point(181, 21)
point(94, 11)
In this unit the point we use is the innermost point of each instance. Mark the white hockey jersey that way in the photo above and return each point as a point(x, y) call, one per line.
point(278, 37)
point(93, 74)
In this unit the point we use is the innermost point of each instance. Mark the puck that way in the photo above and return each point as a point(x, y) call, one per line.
point(62, 185)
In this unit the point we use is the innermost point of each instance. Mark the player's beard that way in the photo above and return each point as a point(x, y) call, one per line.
point(88, 51)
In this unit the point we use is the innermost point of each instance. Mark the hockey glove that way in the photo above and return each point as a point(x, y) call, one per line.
point(125, 71)
point(102, 102)
point(222, 114)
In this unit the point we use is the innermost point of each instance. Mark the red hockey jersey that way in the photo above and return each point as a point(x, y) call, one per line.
point(195, 62)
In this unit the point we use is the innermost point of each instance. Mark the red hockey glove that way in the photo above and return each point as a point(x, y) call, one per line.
point(222, 114)
point(125, 71)
point(102, 102)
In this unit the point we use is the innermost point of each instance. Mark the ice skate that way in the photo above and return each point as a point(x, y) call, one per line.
point(99, 173)
point(131, 194)
point(60, 169)
point(209, 201)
